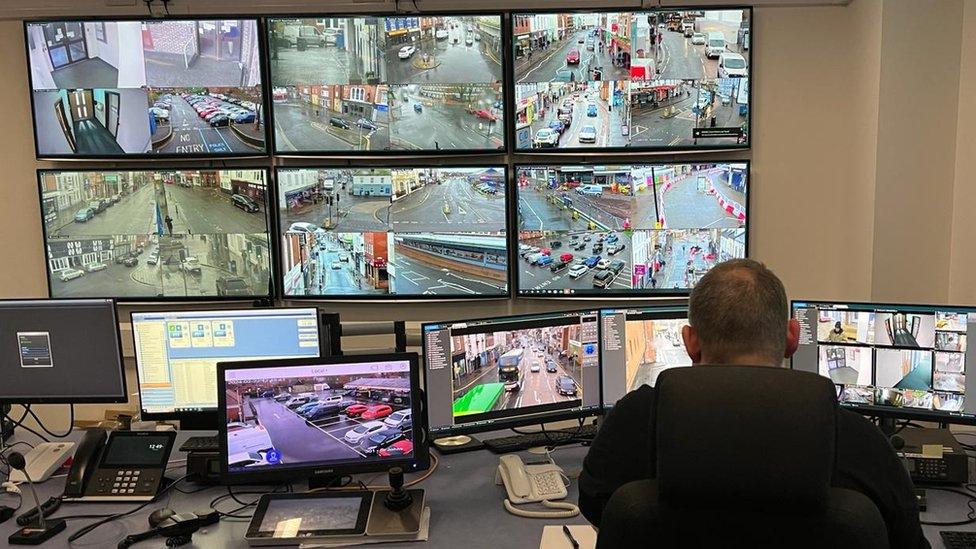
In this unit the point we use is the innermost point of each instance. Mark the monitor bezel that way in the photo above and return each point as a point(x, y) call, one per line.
point(123, 398)
point(269, 223)
point(504, 29)
point(262, 57)
point(642, 150)
point(891, 411)
point(418, 461)
point(622, 294)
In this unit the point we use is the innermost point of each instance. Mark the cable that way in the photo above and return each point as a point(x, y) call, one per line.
point(970, 517)
point(71, 422)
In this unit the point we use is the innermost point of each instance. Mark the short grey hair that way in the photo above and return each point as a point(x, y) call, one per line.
point(740, 308)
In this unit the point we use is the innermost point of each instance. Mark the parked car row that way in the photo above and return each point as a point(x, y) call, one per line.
point(96, 206)
point(220, 110)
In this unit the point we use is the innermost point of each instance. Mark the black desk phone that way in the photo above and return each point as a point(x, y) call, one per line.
point(121, 466)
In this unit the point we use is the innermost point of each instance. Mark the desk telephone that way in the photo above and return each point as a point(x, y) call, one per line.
point(533, 483)
point(126, 466)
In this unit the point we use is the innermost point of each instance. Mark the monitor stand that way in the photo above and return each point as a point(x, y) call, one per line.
point(324, 482)
point(198, 421)
point(457, 444)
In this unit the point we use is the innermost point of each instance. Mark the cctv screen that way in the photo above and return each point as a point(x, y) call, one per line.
point(108, 89)
point(318, 415)
point(156, 234)
point(484, 372)
point(908, 358)
point(177, 352)
point(412, 83)
point(593, 230)
point(393, 232)
point(638, 344)
point(661, 80)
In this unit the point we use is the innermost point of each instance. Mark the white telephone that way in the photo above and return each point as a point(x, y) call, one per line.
point(534, 483)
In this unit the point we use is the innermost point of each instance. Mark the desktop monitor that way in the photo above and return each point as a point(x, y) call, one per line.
point(637, 344)
point(496, 373)
point(642, 80)
point(130, 88)
point(373, 84)
point(627, 230)
point(895, 360)
point(404, 232)
point(60, 352)
point(177, 353)
point(321, 417)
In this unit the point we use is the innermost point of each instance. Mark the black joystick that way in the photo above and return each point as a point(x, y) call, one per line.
point(398, 499)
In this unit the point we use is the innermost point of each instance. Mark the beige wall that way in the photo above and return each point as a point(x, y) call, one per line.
point(962, 267)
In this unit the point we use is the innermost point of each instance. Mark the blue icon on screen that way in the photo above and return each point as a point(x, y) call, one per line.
point(589, 348)
point(273, 456)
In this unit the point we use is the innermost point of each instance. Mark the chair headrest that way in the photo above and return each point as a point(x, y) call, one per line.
point(758, 435)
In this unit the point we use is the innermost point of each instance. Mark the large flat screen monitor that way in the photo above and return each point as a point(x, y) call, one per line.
point(283, 419)
point(634, 80)
point(891, 359)
point(627, 230)
point(59, 351)
point(374, 84)
point(489, 374)
point(637, 344)
point(177, 352)
point(106, 88)
point(182, 233)
point(427, 233)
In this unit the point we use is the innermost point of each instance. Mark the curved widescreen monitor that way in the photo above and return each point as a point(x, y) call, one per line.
point(405, 232)
point(182, 233)
point(368, 84)
point(634, 80)
point(627, 229)
point(162, 88)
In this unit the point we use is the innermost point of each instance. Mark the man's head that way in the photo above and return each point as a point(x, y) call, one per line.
point(738, 314)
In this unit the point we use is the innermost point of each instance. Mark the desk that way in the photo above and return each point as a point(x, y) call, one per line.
point(466, 508)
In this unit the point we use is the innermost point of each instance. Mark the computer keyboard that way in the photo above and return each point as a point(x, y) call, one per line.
point(954, 539)
point(518, 443)
point(200, 444)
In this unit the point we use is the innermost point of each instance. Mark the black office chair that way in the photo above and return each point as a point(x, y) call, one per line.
point(744, 459)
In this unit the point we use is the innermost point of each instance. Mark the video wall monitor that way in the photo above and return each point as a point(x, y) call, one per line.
point(60, 352)
point(638, 80)
point(368, 84)
point(885, 359)
point(177, 352)
point(289, 419)
point(627, 230)
point(179, 233)
point(160, 88)
point(489, 374)
point(637, 344)
point(428, 233)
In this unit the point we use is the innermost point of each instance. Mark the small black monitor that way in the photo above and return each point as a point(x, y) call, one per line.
point(60, 352)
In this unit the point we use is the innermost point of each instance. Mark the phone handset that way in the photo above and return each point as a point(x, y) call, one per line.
point(85, 461)
point(540, 483)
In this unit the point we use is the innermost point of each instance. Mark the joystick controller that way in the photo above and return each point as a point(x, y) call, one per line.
point(398, 499)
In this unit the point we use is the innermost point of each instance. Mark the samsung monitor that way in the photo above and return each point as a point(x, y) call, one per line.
point(173, 234)
point(373, 84)
point(627, 230)
point(383, 233)
point(113, 88)
point(637, 344)
point(662, 80)
point(60, 352)
point(288, 419)
point(490, 374)
point(177, 353)
point(895, 360)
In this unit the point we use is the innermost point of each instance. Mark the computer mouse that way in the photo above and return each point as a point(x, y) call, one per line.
point(159, 515)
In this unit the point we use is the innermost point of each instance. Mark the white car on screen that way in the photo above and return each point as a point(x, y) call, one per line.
point(587, 134)
point(603, 264)
point(406, 51)
point(303, 227)
point(70, 274)
point(247, 438)
point(353, 436)
point(732, 65)
point(578, 270)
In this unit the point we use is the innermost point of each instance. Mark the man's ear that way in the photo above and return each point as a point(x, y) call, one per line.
point(692, 345)
point(792, 337)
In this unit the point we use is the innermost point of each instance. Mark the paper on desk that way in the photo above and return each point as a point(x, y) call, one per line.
point(553, 537)
point(422, 535)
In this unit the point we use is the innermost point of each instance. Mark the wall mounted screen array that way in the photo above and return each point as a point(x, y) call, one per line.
point(177, 352)
point(494, 373)
point(661, 80)
point(182, 233)
point(404, 232)
point(627, 229)
point(374, 84)
point(903, 360)
point(117, 88)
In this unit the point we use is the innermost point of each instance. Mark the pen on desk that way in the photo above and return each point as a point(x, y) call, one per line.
point(570, 536)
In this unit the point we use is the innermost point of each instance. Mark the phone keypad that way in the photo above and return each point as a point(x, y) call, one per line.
point(124, 482)
point(548, 484)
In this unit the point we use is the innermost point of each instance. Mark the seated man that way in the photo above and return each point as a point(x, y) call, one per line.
point(739, 314)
